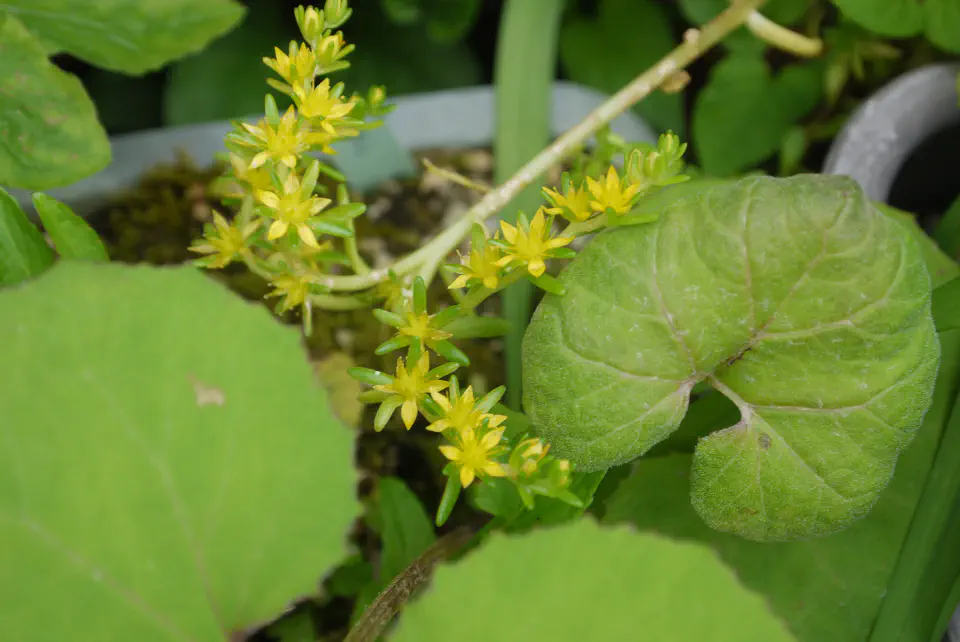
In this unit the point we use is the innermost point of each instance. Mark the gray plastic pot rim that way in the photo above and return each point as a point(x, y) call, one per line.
point(882, 133)
point(455, 118)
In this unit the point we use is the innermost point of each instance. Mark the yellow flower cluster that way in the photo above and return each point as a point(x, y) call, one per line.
point(291, 230)
point(611, 193)
point(287, 229)
point(476, 443)
point(530, 243)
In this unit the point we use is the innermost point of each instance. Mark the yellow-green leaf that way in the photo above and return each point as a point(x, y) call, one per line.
point(49, 133)
point(581, 582)
point(132, 36)
point(169, 468)
point(71, 235)
point(23, 252)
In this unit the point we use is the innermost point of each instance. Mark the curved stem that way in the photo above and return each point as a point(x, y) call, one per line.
point(454, 177)
point(350, 247)
point(642, 86)
point(380, 613)
point(334, 302)
point(783, 38)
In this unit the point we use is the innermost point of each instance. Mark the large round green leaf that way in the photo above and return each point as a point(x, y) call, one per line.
point(169, 470)
point(580, 582)
point(794, 297)
point(132, 36)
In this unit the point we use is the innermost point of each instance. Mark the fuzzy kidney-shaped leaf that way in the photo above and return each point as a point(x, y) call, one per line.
point(795, 298)
point(582, 582)
point(169, 469)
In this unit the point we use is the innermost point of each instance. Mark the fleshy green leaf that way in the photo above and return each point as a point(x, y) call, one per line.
point(71, 235)
point(552, 512)
point(132, 36)
point(201, 484)
point(580, 582)
point(743, 114)
point(940, 19)
point(627, 37)
point(350, 578)
point(23, 252)
point(405, 528)
point(796, 299)
point(48, 127)
point(472, 326)
point(226, 80)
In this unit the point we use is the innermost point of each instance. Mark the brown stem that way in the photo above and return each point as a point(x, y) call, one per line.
point(383, 609)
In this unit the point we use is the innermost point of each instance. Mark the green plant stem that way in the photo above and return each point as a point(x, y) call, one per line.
point(324, 301)
point(783, 38)
point(585, 227)
point(383, 609)
point(642, 86)
point(350, 247)
point(480, 295)
point(529, 32)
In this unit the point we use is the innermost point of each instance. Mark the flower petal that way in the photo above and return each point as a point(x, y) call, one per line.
point(450, 452)
point(277, 229)
point(460, 282)
point(409, 413)
point(307, 236)
point(509, 232)
point(494, 469)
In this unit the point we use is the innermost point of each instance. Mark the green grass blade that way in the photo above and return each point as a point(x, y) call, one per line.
point(929, 561)
point(525, 65)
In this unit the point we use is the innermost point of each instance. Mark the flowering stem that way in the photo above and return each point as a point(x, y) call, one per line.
point(334, 302)
point(350, 248)
point(783, 38)
point(481, 294)
point(383, 609)
point(585, 227)
point(433, 253)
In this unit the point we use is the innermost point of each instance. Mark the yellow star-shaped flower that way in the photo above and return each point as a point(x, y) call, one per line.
point(225, 242)
point(575, 201)
point(531, 246)
point(292, 208)
point(480, 265)
point(284, 143)
point(474, 454)
point(410, 386)
point(610, 193)
point(318, 103)
point(460, 413)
